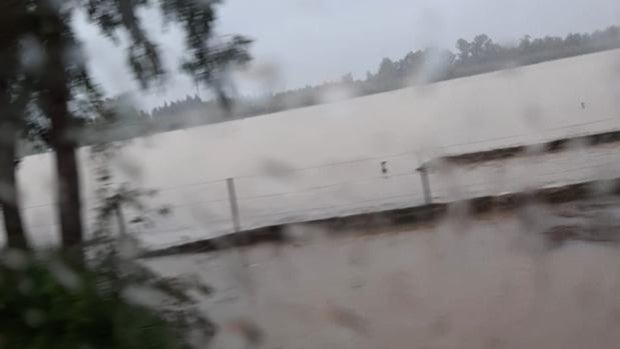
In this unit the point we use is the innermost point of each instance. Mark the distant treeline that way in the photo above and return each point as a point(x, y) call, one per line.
point(480, 55)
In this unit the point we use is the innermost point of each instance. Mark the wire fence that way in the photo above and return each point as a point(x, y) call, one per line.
point(207, 208)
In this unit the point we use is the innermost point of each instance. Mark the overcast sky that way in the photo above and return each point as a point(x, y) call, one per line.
point(299, 42)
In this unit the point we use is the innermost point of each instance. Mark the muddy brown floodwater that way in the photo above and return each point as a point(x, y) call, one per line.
point(487, 282)
point(325, 160)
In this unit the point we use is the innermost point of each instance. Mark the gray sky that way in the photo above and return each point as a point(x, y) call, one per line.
point(301, 42)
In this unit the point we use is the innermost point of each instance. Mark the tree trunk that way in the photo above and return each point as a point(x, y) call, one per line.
point(13, 226)
point(67, 175)
point(9, 201)
point(55, 100)
point(70, 206)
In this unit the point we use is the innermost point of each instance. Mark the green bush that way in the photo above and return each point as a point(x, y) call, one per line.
point(47, 302)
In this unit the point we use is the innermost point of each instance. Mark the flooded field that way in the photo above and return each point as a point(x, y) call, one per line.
point(360, 155)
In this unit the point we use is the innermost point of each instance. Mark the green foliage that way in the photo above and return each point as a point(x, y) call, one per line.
point(47, 302)
point(205, 59)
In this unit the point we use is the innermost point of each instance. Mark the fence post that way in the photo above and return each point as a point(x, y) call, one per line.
point(234, 208)
point(426, 187)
